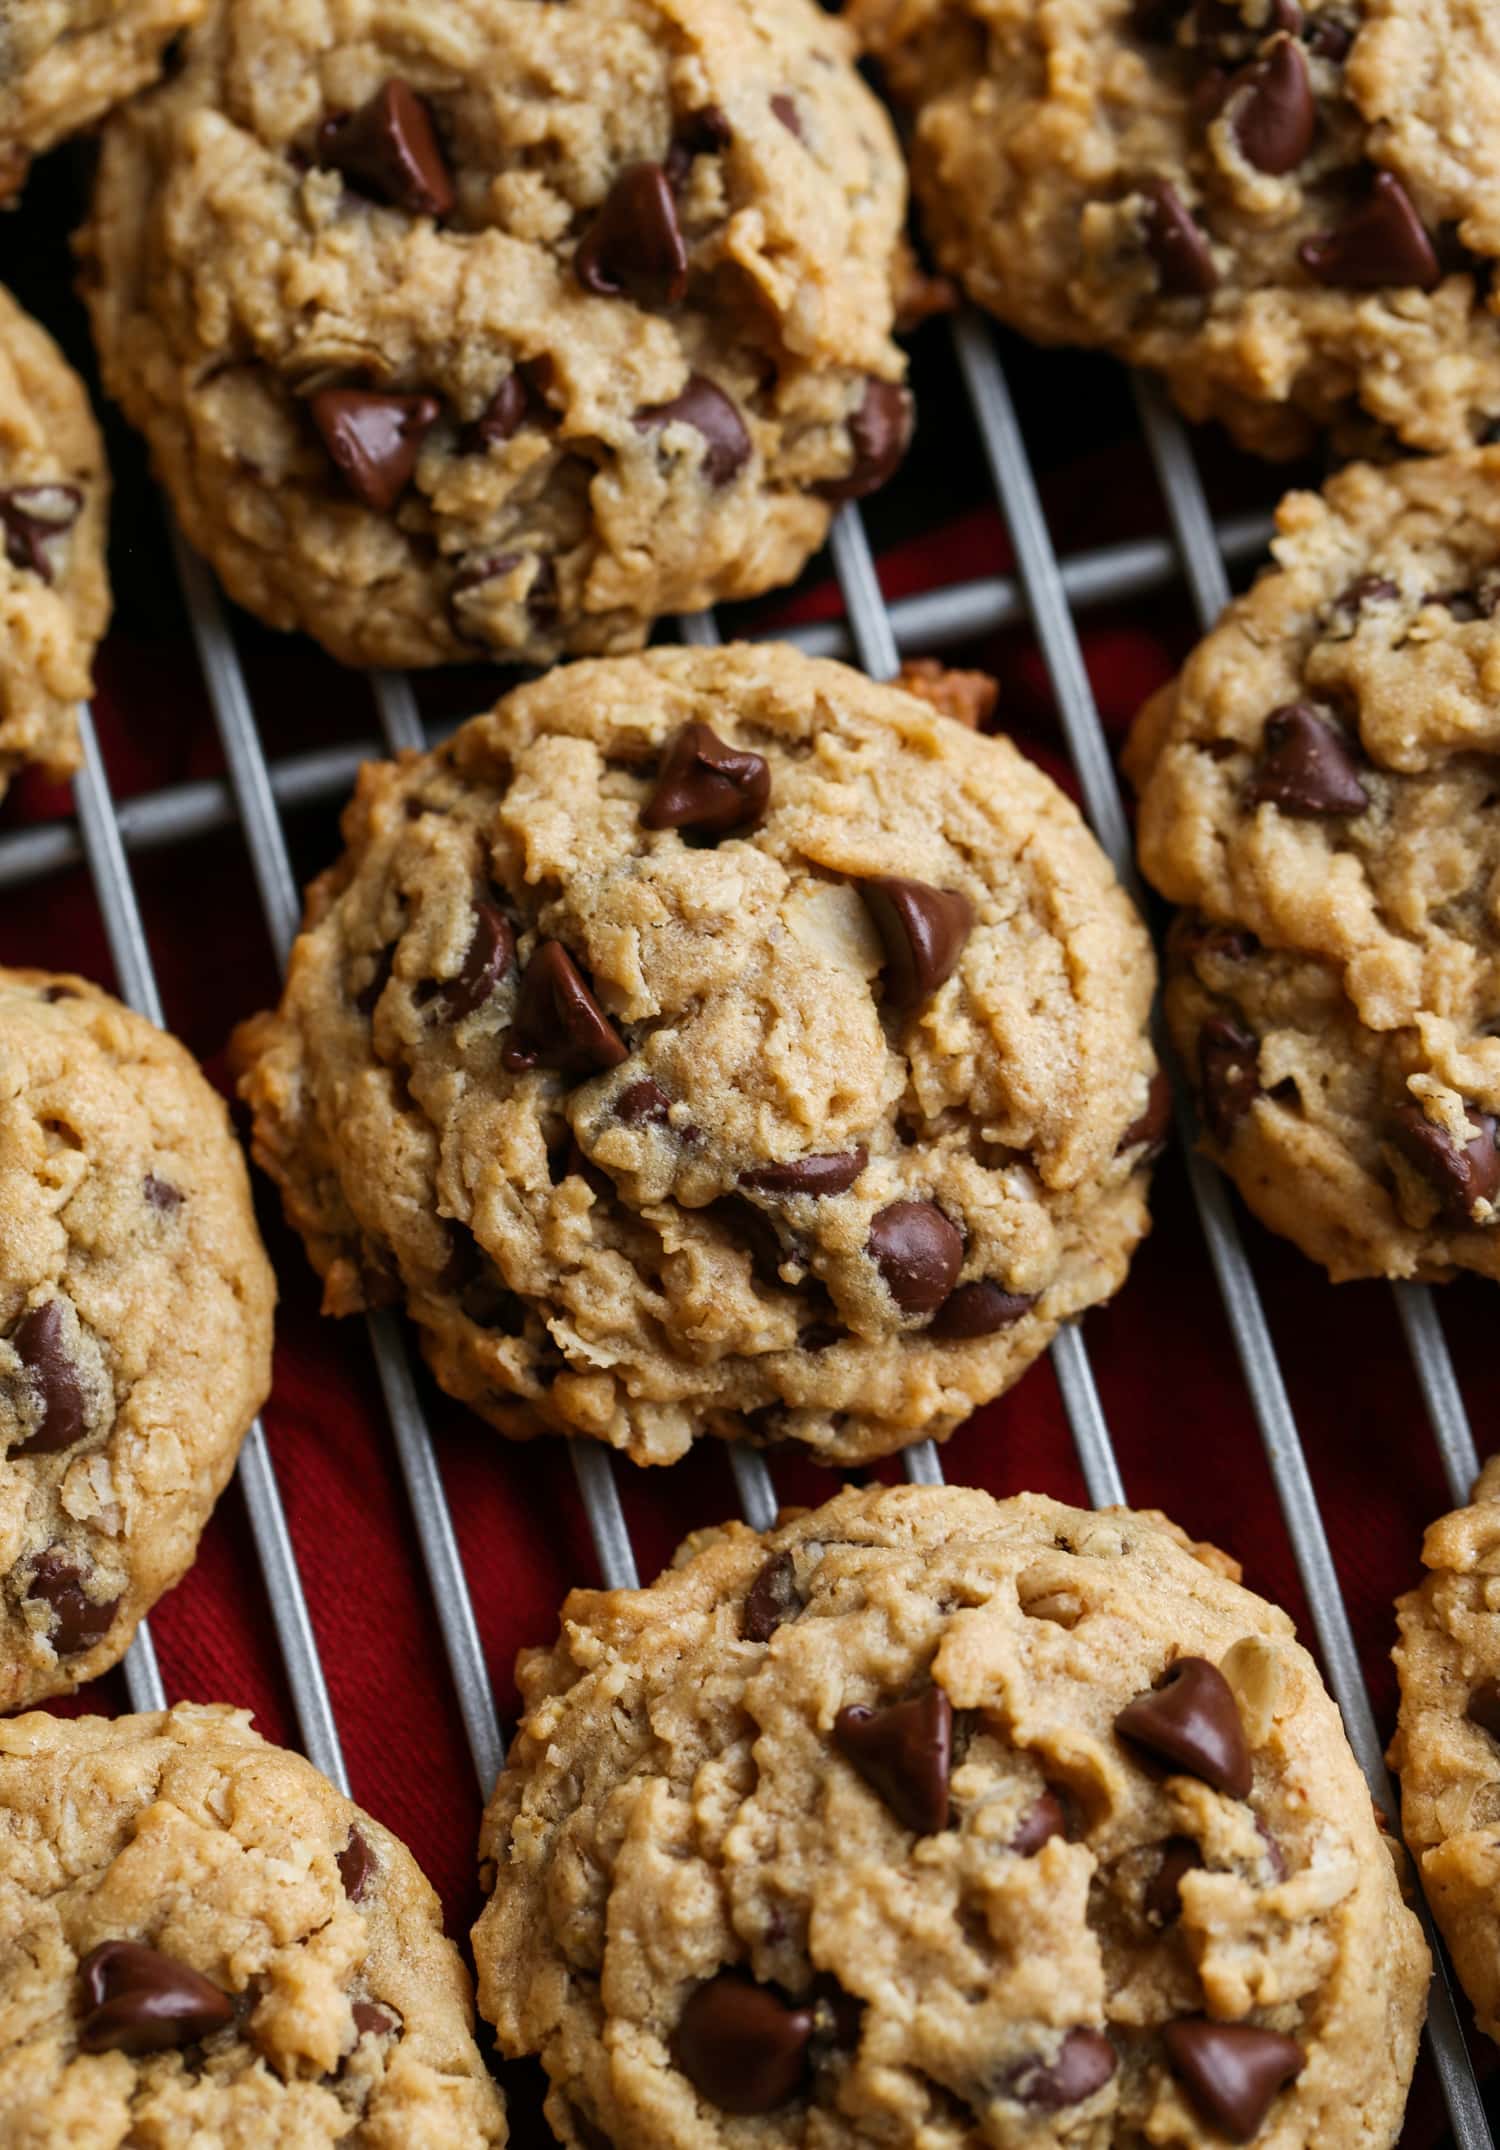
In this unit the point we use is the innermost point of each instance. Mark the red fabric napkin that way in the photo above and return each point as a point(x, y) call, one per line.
point(1166, 1368)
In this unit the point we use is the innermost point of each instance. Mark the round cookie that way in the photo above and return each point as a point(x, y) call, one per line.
point(135, 1324)
point(931, 1819)
point(1288, 207)
point(715, 1041)
point(1318, 788)
point(201, 1941)
point(499, 329)
point(64, 63)
point(1447, 1744)
point(54, 514)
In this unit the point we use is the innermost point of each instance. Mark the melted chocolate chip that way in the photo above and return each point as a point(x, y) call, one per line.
point(38, 1342)
point(1191, 1722)
point(514, 402)
point(918, 1252)
point(1232, 2072)
point(34, 517)
point(704, 133)
point(1162, 1900)
point(705, 407)
point(77, 1622)
point(1228, 1075)
point(979, 1309)
point(1307, 766)
point(356, 1863)
point(1044, 1819)
point(741, 2045)
point(879, 433)
point(904, 1752)
point(389, 148)
point(558, 1023)
point(1367, 590)
point(1484, 1708)
point(136, 2000)
point(832, 1173)
point(1329, 39)
point(1085, 2062)
point(786, 111)
point(1150, 1131)
point(161, 1194)
point(634, 247)
point(373, 2021)
point(1275, 115)
point(490, 953)
point(772, 1599)
point(708, 786)
point(922, 930)
point(1461, 1175)
point(644, 1100)
point(1380, 243)
point(1177, 244)
point(374, 439)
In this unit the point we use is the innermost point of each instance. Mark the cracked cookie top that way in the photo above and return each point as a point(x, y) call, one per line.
point(715, 1041)
point(202, 1941)
point(927, 1818)
point(64, 63)
point(501, 328)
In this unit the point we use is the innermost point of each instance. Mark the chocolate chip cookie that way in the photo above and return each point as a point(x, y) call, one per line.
point(498, 329)
point(54, 507)
point(1285, 206)
point(928, 1818)
point(201, 1941)
point(1447, 1744)
point(715, 1041)
point(1319, 789)
point(135, 1324)
point(64, 63)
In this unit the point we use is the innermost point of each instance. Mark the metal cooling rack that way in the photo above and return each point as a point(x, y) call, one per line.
point(1048, 592)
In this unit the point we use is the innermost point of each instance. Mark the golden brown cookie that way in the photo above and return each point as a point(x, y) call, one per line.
point(65, 63)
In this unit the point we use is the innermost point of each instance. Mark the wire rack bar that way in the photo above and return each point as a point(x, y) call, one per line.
point(1056, 630)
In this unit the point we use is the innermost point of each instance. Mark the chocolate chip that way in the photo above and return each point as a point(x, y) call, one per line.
point(1331, 40)
point(704, 133)
point(879, 432)
point(490, 953)
point(373, 2021)
point(1462, 1176)
point(390, 149)
point(1232, 2072)
point(772, 1598)
point(558, 1023)
point(356, 1863)
point(1044, 1819)
point(38, 1343)
point(1307, 766)
point(708, 786)
point(161, 1194)
point(34, 517)
point(77, 1621)
point(786, 111)
point(1149, 1132)
point(514, 402)
point(918, 1252)
point(374, 439)
point(979, 1309)
point(1177, 244)
point(751, 1225)
point(1381, 242)
point(1228, 1075)
point(923, 931)
point(1085, 2062)
point(832, 1173)
point(634, 247)
point(136, 2000)
point(1367, 590)
point(705, 407)
point(904, 1752)
point(1162, 1899)
point(644, 1100)
point(367, 996)
point(1275, 115)
point(741, 2045)
point(1190, 1721)
point(1225, 944)
point(1484, 1708)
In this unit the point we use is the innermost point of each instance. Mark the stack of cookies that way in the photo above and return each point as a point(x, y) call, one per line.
point(716, 1042)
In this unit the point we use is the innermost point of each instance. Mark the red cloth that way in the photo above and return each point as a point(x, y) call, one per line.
point(1165, 1364)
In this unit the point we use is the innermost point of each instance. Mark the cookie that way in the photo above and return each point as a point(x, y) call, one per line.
point(1285, 206)
point(64, 63)
point(499, 329)
point(54, 512)
point(135, 1324)
point(715, 1042)
point(201, 1941)
point(1318, 788)
point(1447, 1744)
point(933, 1819)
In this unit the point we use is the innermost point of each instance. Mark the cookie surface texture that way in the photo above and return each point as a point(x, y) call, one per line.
point(499, 329)
point(54, 586)
point(715, 1042)
point(135, 1324)
point(932, 1819)
point(201, 1941)
point(1318, 792)
point(64, 63)
point(1288, 207)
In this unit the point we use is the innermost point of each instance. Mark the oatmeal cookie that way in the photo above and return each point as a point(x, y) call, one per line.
point(65, 63)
